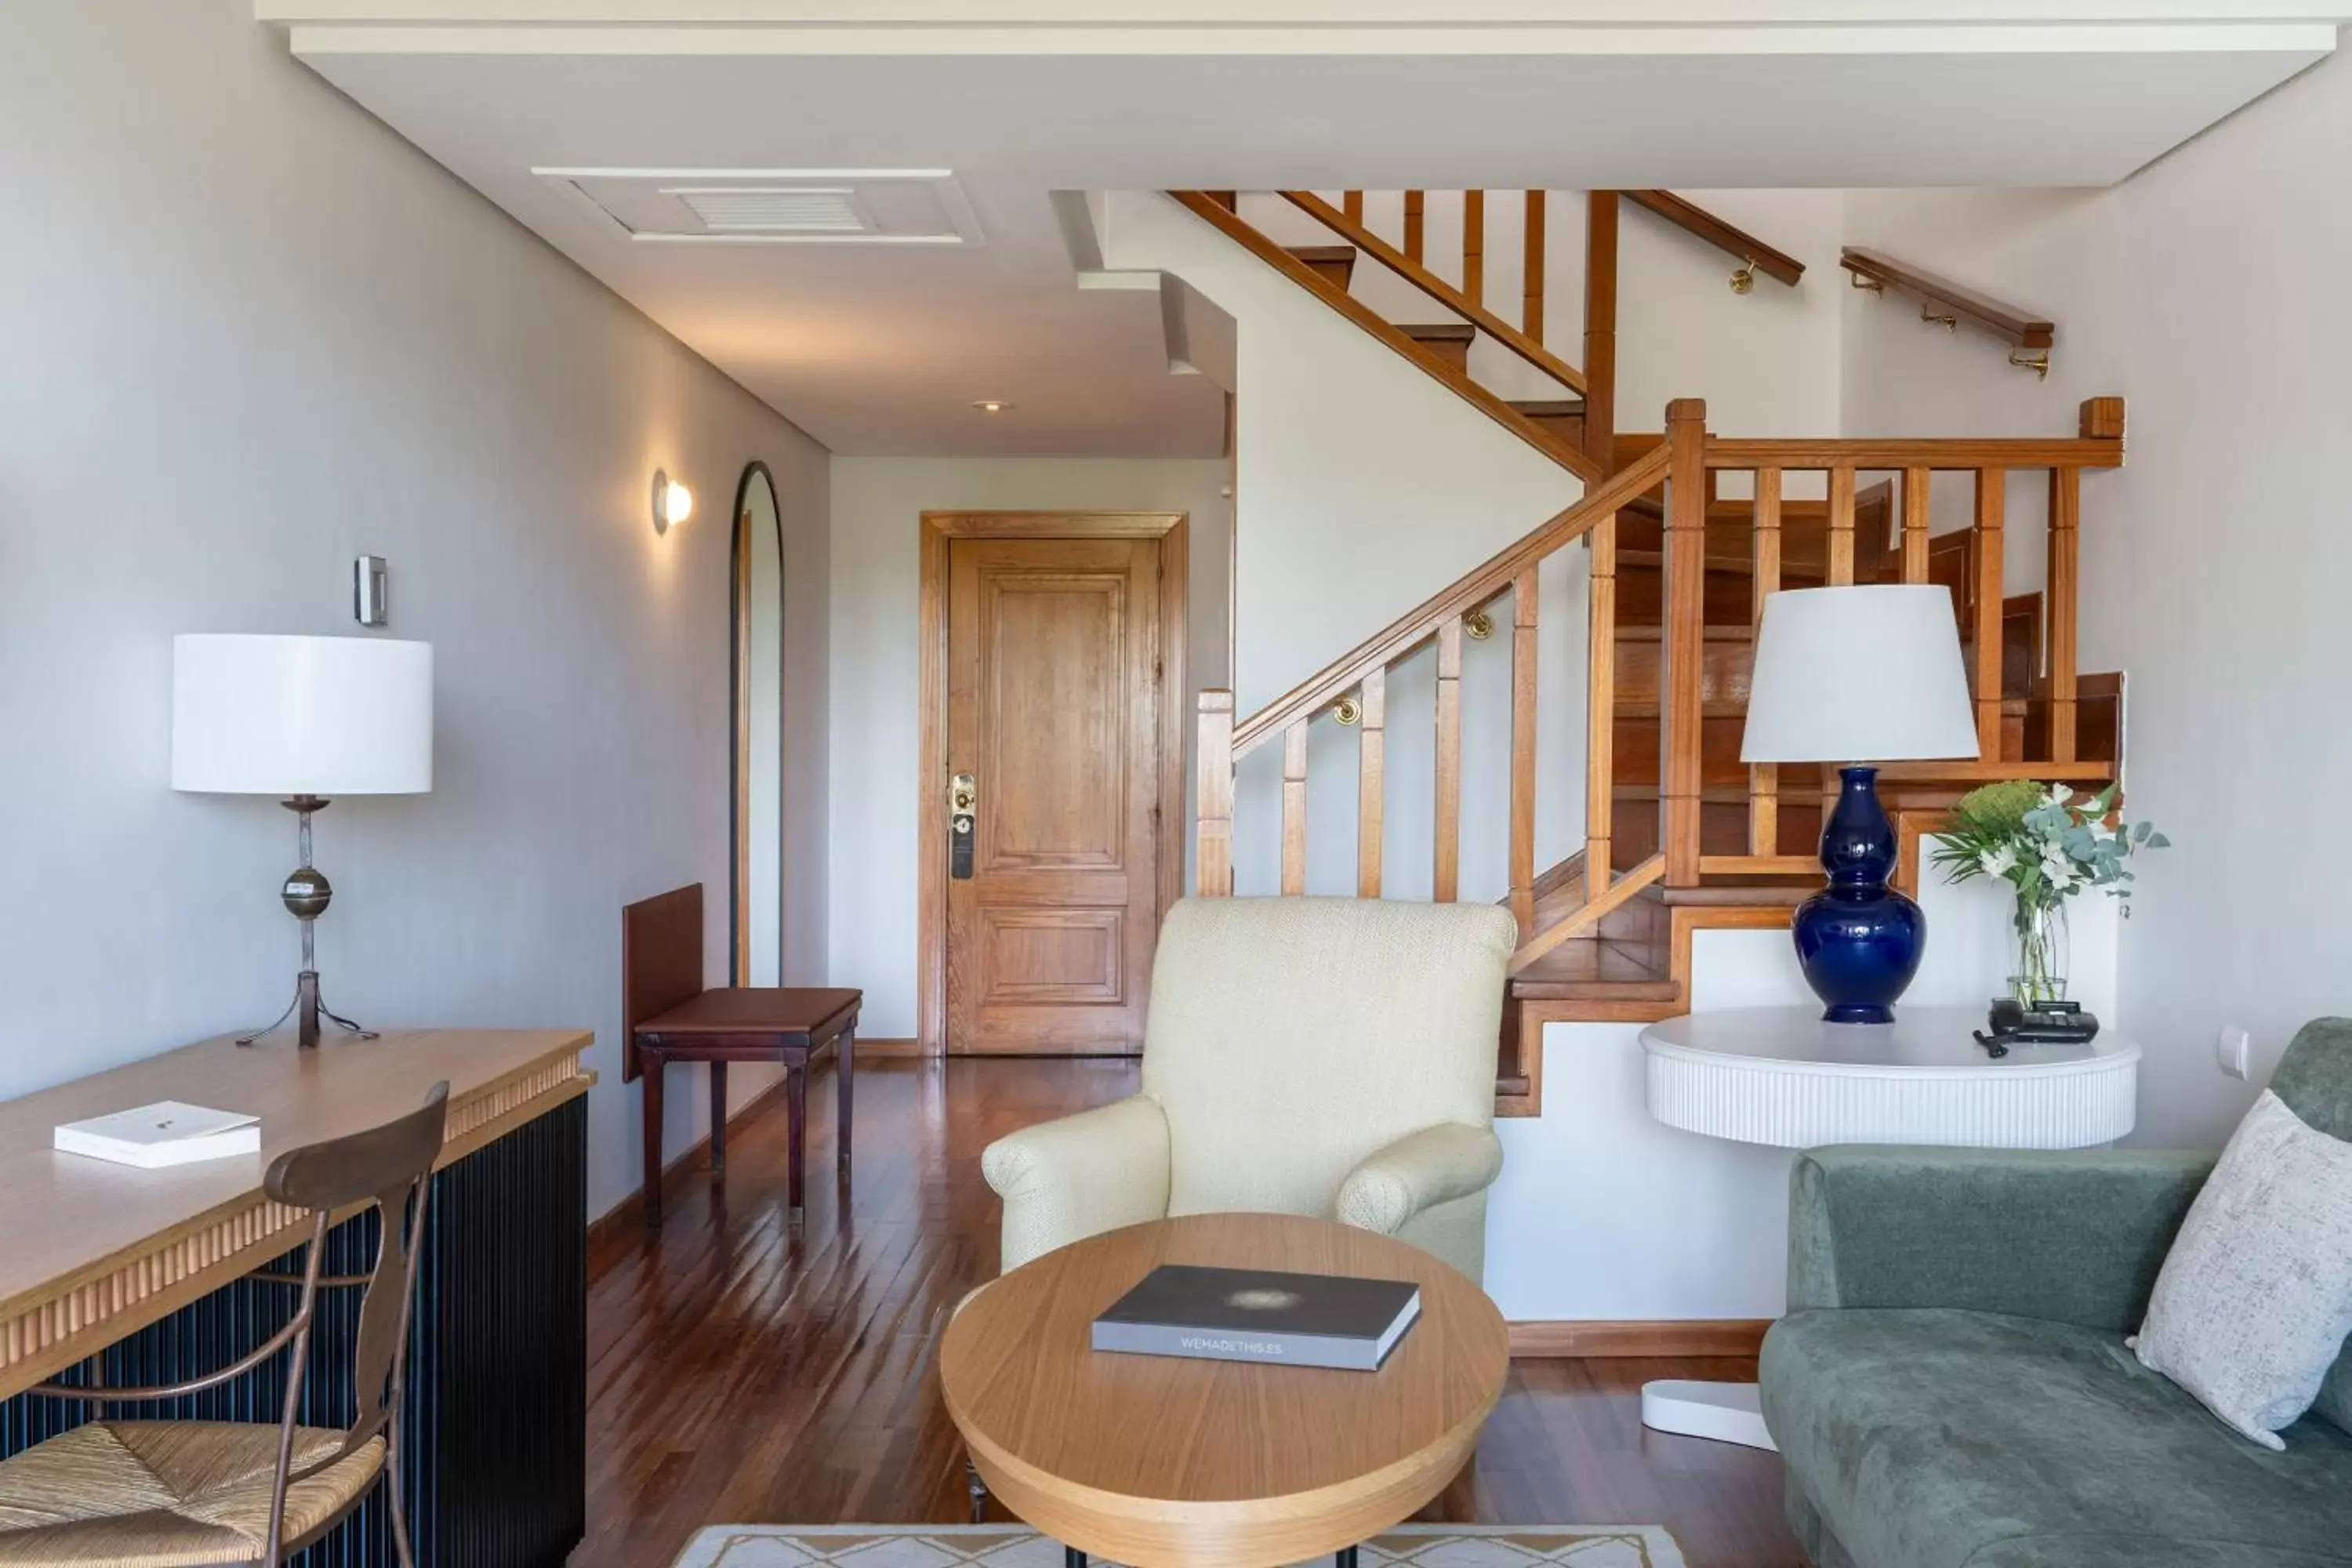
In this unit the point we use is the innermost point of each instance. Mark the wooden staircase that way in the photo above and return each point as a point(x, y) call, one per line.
point(1687, 533)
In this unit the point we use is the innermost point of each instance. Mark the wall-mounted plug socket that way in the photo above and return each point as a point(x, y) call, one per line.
point(2234, 1048)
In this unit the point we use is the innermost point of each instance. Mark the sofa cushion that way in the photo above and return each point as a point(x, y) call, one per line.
point(1936, 1439)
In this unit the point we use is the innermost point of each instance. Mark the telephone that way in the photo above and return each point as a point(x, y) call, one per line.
point(2044, 1023)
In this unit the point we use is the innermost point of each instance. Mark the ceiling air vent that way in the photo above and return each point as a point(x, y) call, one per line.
point(775, 207)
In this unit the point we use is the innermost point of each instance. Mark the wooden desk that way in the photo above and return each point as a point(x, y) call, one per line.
point(149, 1267)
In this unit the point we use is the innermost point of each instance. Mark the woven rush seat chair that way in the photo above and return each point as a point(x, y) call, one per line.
point(187, 1494)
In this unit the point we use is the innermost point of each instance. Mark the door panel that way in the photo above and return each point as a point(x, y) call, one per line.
point(1053, 699)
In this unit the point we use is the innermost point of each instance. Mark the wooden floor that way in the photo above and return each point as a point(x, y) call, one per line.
point(743, 1370)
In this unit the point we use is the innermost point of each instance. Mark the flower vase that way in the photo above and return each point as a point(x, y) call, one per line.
point(2037, 969)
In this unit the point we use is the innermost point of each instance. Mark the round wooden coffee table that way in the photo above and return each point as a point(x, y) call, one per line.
point(1158, 1461)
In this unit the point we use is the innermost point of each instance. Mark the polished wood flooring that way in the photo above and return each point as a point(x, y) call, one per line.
point(746, 1369)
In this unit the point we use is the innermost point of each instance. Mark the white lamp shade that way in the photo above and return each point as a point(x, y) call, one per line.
point(1865, 673)
point(289, 716)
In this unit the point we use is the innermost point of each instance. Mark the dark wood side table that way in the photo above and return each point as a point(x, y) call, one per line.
point(672, 1017)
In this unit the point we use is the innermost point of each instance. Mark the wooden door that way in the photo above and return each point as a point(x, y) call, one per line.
point(1056, 686)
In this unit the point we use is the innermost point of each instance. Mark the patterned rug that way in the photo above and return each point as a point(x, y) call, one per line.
point(1018, 1546)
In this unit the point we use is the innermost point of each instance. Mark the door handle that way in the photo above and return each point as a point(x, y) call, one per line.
point(963, 794)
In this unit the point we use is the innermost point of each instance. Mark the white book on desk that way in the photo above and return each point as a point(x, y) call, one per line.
point(164, 1134)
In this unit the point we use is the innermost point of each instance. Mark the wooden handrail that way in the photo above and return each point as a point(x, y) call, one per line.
point(1774, 263)
point(1387, 331)
point(1418, 624)
point(1946, 453)
point(1436, 288)
point(1964, 303)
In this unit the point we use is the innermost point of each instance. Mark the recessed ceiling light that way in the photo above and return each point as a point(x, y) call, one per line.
point(993, 406)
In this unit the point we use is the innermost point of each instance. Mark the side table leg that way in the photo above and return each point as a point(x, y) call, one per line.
point(718, 1118)
point(844, 1074)
point(1344, 1558)
point(650, 1066)
point(796, 1132)
point(1073, 1558)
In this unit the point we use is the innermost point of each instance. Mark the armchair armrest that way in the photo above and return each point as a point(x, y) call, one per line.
point(2072, 1237)
point(1418, 1172)
point(1080, 1176)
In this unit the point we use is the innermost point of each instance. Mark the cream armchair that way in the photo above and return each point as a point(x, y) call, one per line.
point(1330, 1057)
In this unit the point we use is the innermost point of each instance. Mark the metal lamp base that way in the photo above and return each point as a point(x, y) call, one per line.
point(306, 1010)
point(306, 893)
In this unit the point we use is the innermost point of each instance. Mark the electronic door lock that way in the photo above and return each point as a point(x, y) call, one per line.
point(963, 797)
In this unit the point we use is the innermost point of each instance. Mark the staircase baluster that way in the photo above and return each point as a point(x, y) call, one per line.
point(1601, 329)
point(1445, 870)
point(1294, 809)
point(1474, 246)
point(1992, 497)
point(1413, 202)
point(1353, 204)
point(1916, 499)
point(1372, 760)
point(1764, 778)
point(1685, 616)
point(1531, 274)
point(2060, 590)
point(1213, 851)
point(1601, 712)
point(1841, 543)
point(1523, 750)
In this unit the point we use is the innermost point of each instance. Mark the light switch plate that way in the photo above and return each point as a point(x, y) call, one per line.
point(2235, 1050)
point(371, 591)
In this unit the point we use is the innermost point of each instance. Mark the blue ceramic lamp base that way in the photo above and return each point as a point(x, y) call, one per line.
point(1858, 940)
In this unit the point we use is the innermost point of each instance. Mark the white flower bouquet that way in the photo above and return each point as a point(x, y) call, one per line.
point(2048, 847)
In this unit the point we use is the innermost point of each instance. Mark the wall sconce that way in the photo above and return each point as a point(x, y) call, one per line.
point(673, 502)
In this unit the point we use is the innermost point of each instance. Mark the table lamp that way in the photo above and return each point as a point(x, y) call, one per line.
point(1874, 672)
point(306, 718)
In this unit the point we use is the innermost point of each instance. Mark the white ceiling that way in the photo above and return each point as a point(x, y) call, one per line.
point(883, 348)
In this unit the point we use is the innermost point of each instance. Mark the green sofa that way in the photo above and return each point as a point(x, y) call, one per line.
point(1950, 1387)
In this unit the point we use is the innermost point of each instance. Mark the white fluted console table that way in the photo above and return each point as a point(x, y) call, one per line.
point(1781, 1077)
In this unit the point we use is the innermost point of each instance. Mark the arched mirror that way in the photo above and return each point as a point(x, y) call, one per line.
point(759, 680)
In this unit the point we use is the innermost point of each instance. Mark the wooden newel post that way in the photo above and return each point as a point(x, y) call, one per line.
point(1684, 617)
point(1212, 863)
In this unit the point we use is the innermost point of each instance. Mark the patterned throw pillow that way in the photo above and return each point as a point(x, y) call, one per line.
point(2255, 1298)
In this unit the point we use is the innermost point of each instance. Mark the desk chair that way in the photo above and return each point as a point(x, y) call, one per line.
point(179, 1494)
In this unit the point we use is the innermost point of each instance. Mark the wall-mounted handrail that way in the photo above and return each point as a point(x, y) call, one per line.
point(1732, 240)
point(2013, 325)
point(1474, 589)
point(1437, 288)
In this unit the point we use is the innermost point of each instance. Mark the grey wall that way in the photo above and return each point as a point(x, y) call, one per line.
point(2208, 290)
point(247, 332)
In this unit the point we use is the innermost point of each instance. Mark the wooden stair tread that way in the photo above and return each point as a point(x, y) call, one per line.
point(1744, 892)
point(1439, 332)
point(1587, 969)
point(1719, 707)
point(1550, 407)
point(1322, 252)
point(1736, 565)
point(1708, 634)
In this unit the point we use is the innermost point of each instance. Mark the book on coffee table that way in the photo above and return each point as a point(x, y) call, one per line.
point(1256, 1315)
